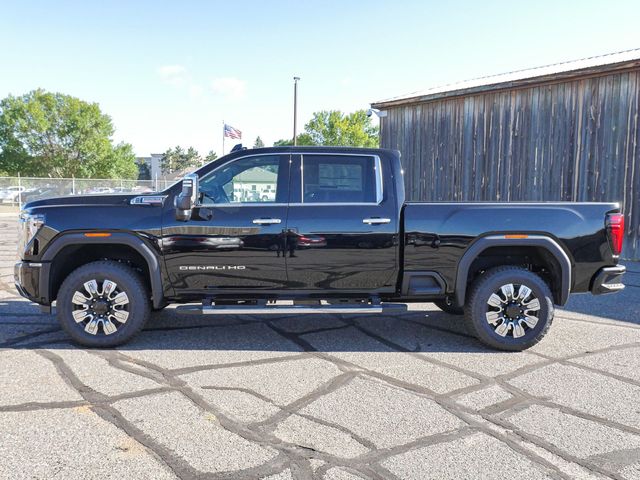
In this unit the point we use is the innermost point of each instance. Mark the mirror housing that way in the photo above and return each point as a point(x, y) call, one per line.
point(188, 197)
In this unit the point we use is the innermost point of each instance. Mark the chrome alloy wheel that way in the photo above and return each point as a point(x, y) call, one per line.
point(513, 309)
point(101, 311)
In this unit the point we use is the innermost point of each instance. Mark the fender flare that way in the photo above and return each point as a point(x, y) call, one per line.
point(542, 241)
point(115, 238)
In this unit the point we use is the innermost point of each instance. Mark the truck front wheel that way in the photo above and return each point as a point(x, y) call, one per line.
point(509, 308)
point(103, 304)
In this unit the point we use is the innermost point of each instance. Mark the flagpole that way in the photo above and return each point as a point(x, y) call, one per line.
point(295, 110)
point(223, 138)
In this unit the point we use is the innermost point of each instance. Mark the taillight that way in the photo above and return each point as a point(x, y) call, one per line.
point(615, 229)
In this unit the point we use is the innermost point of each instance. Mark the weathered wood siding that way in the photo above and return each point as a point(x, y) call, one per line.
point(574, 140)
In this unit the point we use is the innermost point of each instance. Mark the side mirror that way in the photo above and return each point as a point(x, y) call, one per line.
point(187, 199)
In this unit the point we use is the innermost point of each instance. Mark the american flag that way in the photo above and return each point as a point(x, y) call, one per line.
point(231, 132)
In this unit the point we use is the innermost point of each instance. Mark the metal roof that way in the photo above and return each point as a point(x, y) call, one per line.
point(611, 61)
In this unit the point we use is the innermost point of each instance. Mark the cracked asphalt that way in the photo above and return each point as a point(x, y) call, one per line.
point(320, 397)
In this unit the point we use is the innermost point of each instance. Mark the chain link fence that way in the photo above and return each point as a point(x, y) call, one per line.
point(17, 191)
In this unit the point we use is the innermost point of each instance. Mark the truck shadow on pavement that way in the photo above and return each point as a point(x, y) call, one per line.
point(22, 325)
point(624, 305)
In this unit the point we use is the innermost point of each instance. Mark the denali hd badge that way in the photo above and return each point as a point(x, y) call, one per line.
point(212, 267)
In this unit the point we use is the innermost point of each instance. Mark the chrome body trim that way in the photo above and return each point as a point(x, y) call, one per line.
point(330, 204)
point(266, 221)
point(246, 204)
point(296, 309)
point(376, 221)
point(148, 200)
point(377, 166)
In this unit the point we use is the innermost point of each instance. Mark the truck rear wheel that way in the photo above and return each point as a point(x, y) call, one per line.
point(103, 304)
point(509, 308)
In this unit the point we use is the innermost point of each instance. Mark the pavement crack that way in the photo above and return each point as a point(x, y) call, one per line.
point(217, 366)
point(98, 404)
point(293, 407)
point(248, 391)
point(467, 416)
point(605, 373)
point(247, 432)
point(33, 406)
point(552, 449)
point(531, 399)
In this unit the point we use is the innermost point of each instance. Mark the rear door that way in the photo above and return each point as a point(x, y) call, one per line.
point(342, 229)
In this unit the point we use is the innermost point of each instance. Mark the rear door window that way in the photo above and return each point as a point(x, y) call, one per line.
point(340, 179)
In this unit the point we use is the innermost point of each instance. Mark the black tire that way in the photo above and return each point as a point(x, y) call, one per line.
point(127, 281)
point(447, 306)
point(511, 317)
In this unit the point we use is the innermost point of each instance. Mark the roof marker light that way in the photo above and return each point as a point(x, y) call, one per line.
point(97, 234)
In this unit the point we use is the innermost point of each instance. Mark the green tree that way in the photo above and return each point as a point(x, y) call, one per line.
point(303, 139)
point(191, 159)
point(338, 129)
point(170, 159)
point(144, 172)
point(334, 128)
point(178, 160)
point(57, 135)
point(119, 163)
point(211, 156)
point(258, 143)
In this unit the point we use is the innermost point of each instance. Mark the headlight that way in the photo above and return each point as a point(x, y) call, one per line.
point(29, 226)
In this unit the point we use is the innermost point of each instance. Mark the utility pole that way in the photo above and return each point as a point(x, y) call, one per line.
point(295, 110)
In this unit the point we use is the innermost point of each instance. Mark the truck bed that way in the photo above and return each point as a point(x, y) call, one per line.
point(437, 234)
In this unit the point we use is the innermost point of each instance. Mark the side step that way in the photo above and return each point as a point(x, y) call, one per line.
point(363, 309)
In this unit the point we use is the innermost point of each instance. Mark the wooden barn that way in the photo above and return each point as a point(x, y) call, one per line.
point(568, 131)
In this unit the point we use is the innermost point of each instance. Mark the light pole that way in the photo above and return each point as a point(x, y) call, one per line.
point(295, 109)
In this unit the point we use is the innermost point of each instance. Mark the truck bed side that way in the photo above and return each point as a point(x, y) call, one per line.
point(437, 235)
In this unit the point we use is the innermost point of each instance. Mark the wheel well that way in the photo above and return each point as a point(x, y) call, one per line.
point(74, 256)
point(535, 259)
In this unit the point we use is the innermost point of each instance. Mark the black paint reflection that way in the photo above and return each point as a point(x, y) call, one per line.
point(226, 249)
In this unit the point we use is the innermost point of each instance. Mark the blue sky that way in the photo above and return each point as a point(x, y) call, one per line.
point(168, 73)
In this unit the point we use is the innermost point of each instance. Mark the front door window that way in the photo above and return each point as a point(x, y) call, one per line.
point(248, 180)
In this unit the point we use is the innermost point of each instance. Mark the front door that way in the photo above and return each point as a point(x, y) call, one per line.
point(342, 232)
point(235, 238)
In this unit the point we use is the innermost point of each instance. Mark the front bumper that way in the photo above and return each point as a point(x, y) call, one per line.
point(608, 280)
point(31, 279)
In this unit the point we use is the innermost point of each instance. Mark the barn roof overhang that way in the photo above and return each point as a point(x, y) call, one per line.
point(603, 64)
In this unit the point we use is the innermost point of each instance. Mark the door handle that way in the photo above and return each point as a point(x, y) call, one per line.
point(266, 221)
point(376, 220)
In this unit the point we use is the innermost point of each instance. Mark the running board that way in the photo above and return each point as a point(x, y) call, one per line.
point(293, 309)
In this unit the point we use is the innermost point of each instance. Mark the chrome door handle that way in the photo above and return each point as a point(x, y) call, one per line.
point(376, 220)
point(266, 221)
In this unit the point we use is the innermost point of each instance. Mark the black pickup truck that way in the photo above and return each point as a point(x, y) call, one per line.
point(302, 230)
